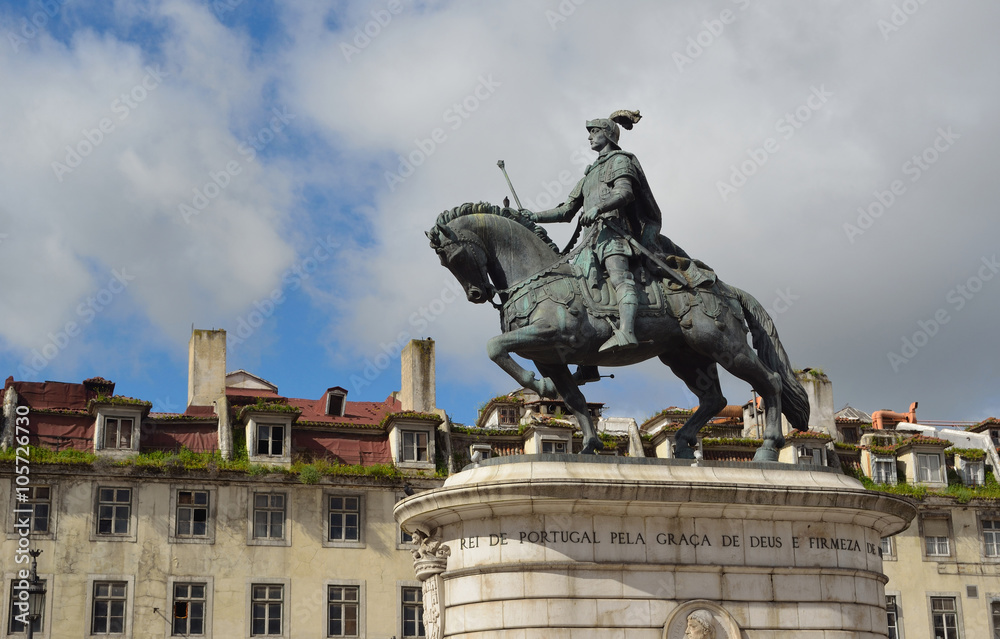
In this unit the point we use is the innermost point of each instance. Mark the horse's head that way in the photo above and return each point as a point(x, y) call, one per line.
point(464, 254)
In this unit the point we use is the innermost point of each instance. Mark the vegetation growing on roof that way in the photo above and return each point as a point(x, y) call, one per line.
point(845, 446)
point(731, 441)
point(972, 454)
point(426, 417)
point(808, 434)
point(262, 406)
point(118, 400)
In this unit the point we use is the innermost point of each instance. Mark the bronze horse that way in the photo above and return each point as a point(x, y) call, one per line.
point(546, 318)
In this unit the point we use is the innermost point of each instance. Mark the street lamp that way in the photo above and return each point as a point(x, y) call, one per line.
point(36, 594)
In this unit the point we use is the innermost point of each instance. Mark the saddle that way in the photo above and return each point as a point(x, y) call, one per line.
point(566, 282)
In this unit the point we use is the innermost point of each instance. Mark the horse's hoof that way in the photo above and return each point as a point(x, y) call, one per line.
point(684, 453)
point(766, 455)
point(591, 446)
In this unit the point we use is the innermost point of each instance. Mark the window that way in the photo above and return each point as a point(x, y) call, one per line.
point(270, 440)
point(884, 470)
point(508, 415)
point(936, 546)
point(553, 446)
point(995, 436)
point(269, 516)
point(114, 510)
point(995, 614)
point(266, 608)
point(945, 618)
point(850, 434)
point(414, 446)
point(189, 609)
point(936, 535)
point(405, 537)
point(892, 616)
point(991, 537)
point(36, 507)
point(192, 513)
point(345, 518)
point(810, 456)
point(887, 548)
point(108, 616)
point(928, 467)
point(19, 616)
point(413, 612)
point(972, 472)
point(342, 611)
point(118, 433)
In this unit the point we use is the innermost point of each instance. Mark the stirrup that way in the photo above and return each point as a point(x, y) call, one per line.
point(619, 342)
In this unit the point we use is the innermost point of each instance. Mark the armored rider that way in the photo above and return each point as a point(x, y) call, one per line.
point(615, 198)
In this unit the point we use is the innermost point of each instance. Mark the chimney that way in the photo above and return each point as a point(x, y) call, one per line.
point(206, 367)
point(417, 392)
point(819, 390)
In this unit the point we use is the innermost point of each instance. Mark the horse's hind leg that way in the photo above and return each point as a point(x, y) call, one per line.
point(701, 376)
point(576, 402)
point(747, 366)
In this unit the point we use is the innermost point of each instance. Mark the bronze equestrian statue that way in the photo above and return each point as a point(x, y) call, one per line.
point(560, 308)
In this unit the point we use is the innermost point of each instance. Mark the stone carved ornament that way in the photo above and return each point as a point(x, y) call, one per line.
point(430, 559)
point(700, 619)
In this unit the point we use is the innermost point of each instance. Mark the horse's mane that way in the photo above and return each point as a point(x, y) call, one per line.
point(491, 209)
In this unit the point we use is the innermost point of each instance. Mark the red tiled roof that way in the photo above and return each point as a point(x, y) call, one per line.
point(360, 413)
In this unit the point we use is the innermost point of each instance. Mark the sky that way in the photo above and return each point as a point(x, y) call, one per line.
point(269, 169)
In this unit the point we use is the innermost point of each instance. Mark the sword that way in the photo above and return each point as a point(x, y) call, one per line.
point(516, 201)
point(674, 275)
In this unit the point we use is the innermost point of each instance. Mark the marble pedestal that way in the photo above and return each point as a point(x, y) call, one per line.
point(560, 546)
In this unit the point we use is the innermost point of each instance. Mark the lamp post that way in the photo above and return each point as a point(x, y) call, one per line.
point(36, 594)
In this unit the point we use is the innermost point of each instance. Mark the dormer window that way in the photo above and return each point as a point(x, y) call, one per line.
point(336, 401)
point(508, 415)
point(929, 467)
point(118, 433)
point(116, 429)
point(270, 440)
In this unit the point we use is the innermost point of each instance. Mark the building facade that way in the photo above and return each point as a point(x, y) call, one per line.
point(253, 514)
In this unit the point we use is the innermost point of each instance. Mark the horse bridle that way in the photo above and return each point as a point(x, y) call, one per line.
point(464, 237)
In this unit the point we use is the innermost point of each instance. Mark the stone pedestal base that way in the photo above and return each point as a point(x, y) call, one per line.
point(560, 546)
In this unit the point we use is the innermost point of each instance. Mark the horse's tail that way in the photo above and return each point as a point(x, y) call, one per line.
point(794, 401)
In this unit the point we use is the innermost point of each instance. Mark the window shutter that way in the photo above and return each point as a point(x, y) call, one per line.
point(936, 527)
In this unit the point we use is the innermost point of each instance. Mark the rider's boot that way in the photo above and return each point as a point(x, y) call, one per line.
point(586, 375)
point(628, 304)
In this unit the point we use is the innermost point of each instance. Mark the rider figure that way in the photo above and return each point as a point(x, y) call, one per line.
point(608, 194)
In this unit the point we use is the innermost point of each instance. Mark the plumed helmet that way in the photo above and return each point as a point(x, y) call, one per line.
point(610, 124)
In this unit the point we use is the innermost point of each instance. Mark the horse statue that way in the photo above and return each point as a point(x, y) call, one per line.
point(552, 314)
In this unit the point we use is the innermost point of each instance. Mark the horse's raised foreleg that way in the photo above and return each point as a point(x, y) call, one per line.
point(701, 376)
point(500, 347)
point(576, 402)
